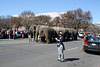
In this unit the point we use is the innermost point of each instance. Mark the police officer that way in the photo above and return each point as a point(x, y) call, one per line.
point(61, 47)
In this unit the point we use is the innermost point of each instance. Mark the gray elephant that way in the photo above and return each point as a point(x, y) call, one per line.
point(65, 32)
point(39, 28)
point(75, 34)
point(59, 29)
point(48, 34)
point(72, 34)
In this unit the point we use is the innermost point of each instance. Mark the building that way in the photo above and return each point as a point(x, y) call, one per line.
point(51, 14)
point(98, 24)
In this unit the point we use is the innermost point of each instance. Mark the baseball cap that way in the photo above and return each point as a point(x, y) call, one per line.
point(61, 33)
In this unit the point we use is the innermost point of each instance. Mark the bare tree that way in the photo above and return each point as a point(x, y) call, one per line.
point(15, 22)
point(27, 14)
point(93, 28)
point(56, 21)
point(87, 19)
point(77, 19)
point(67, 19)
point(4, 22)
point(44, 20)
point(28, 17)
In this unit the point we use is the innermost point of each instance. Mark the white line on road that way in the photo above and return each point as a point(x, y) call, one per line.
point(72, 49)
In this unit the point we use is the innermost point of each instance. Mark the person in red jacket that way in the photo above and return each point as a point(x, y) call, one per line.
point(9, 34)
point(84, 41)
point(93, 35)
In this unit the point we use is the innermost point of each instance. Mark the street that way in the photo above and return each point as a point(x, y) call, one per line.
point(21, 53)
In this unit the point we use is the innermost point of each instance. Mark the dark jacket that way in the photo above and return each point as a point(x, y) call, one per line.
point(61, 42)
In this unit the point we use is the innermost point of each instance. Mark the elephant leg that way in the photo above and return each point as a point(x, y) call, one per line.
point(75, 37)
point(42, 39)
point(47, 38)
point(48, 41)
point(34, 33)
point(72, 37)
point(36, 37)
point(68, 37)
point(54, 39)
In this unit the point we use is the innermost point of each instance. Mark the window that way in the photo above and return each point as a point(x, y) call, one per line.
point(94, 39)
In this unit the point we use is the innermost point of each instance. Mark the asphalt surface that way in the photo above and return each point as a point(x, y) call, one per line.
point(21, 53)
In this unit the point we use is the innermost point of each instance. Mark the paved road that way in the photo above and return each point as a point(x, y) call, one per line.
point(21, 53)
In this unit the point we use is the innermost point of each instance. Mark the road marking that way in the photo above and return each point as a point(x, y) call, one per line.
point(72, 49)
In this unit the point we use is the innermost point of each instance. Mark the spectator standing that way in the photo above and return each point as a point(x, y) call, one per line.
point(93, 35)
point(2, 34)
point(9, 34)
point(30, 36)
point(84, 41)
point(16, 34)
point(25, 35)
point(61, 47)
point(22, 34)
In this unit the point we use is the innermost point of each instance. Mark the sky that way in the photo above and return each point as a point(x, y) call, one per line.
point(15, 7)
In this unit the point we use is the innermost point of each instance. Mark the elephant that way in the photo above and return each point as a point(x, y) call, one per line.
point(59, 29)
point(73, 34)
point(39, 28)
point(65, 32)
point(53, 32)
point(47, 33)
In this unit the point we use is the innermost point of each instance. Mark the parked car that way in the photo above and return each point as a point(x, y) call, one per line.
point(81, 35)
point(98, 35)
point(93, 44)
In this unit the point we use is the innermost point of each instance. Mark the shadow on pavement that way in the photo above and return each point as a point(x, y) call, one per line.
point(71, 59)
point(93, 53)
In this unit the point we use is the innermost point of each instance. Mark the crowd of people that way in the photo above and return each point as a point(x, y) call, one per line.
point(14, 34)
